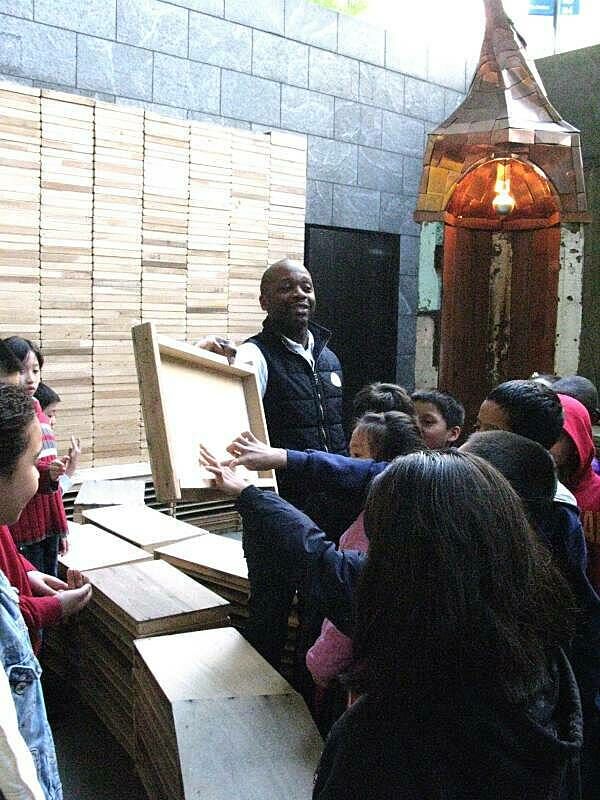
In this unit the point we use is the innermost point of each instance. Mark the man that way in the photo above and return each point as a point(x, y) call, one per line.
point(299, 377)
point(300, 380)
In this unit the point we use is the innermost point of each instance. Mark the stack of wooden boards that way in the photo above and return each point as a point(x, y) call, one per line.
point(112, 215)
point(198, 710)
point(214, 720)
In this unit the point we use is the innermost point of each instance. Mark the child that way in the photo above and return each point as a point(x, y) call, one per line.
point(49, 400)
point(381, 437)
point(381, 397)
point(530, 470)
point(459, 624)
point(441, 418)
point(585, 391)
point(43, 599)
point(10, 366)
point(573, 453)
point(42, 530)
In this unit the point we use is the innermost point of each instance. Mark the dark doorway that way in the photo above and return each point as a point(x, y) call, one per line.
point(356, 282)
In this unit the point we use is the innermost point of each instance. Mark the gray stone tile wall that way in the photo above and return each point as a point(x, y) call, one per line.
point(364, 97)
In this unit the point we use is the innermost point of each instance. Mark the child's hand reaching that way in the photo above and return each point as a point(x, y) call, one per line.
point(58, 467)
point(73, 456)
point(226, 478)
point(249, 452)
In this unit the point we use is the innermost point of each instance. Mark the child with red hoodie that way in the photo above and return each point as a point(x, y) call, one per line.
point(573, 453)
point(41, 532)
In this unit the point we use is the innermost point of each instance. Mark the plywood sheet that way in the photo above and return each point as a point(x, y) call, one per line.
point(141, 525)
point(91, 548)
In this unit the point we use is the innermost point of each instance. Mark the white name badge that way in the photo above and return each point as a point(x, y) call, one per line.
point(335, 379)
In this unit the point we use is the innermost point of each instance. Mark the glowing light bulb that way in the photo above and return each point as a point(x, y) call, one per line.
point(503, 202)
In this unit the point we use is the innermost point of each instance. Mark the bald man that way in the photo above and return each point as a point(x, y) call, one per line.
point(299, 377)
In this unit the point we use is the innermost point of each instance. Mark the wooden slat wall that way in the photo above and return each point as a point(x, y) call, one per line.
point(112, 215)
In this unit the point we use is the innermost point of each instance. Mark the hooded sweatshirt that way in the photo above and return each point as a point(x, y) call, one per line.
point(479, 748)
point(584, 483)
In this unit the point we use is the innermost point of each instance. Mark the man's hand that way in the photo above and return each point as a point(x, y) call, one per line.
point(63, 545)
point(73, 456)
point(73, 600)
point(42, 584)
point(226, 479)
point(249, 452)
point(58, 467)
point(218, 345)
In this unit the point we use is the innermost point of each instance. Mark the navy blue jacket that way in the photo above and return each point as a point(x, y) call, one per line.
point(303, 408)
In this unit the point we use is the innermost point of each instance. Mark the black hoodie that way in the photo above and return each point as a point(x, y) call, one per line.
point(482, 748)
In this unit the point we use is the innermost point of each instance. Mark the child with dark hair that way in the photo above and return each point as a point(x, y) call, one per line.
point(381, 437)
point(530, 469)
point(460, 621)
point(524, 407)
point(441, 417)
point(10, 366)
point(380, 397)
point(42, 530)
point(43, 598)
point(49, 400)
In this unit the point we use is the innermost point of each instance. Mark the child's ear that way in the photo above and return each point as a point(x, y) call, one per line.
point(453, 434)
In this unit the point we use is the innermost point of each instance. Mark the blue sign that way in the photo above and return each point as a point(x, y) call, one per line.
point(542, 8)
point(545, 8)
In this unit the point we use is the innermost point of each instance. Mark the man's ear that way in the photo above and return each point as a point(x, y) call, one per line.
point(262, 302)
point(453, 434)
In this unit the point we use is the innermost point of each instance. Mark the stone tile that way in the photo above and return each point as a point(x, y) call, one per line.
point(154, 108)
point(279, 59)
point(214, 7)
point(361, 40)
point(96, 18)
point(358, 123)
point(187, 84)
point(379, 170)
point(406, 342)
point(306, 111)
point(223, 122)
point(354, 207)
point(332, 161)
point(249, 98)
point(319, 203)
point(154, 25)
point(17, 8)
point(381, 87)
point(452, 100)
point(409, 255)
point(333, 74)
point(406, 52)
point(445, 69)
point(267, 15)
point(219, 42)
point(115, 68)
point(58, 87)
point(36, 51)
point(413, 167)
point(423, 100)
point(407, 294)
point(14, 78)
point(397, 214)
point(309, 23)
point(405, 371)
point(402, 134)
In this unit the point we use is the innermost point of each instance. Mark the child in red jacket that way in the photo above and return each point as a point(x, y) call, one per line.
point(40, 534)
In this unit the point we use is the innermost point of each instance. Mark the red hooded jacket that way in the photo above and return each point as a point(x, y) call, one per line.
point(584, 483)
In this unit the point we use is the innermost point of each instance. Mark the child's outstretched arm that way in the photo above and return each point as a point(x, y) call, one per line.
point(296, 537)
point(319, 471)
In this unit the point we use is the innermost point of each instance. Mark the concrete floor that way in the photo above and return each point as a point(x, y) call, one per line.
point(92, 765)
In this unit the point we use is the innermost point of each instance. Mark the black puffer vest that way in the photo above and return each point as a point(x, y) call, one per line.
point(303, 408)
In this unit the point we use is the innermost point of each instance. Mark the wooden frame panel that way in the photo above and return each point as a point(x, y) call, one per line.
point(191, 397)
